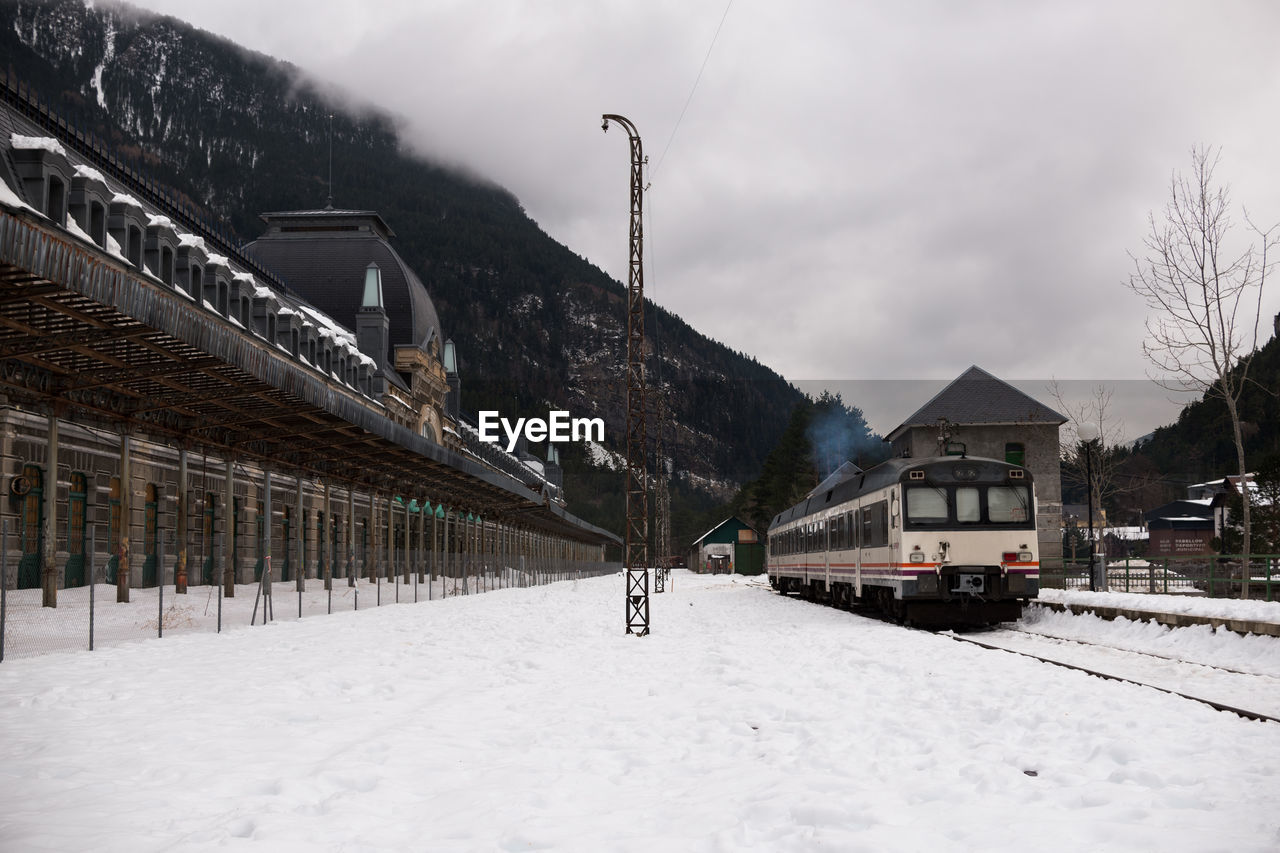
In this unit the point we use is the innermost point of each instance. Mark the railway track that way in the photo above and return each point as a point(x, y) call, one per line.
point(871, 613)
point(1127, 651)
point(1220, 706)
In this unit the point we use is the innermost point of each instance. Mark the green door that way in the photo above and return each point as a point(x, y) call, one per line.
point(76, 505)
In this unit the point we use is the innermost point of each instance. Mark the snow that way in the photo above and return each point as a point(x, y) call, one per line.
point(10, 199)
point(218, 261)
point(192, 241)
point(113, 248)
point(1217, 608)
point(157, 221)
point(89, 172)
point(525, 719)
point(32, 143)
point(74, 228)
point(602, 457)
point(1199, 644)
point(125, 198)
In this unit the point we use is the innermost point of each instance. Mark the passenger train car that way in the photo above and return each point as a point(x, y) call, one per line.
point(938, 541)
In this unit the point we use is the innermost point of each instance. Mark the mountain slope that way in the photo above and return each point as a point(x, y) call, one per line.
point(237, 133)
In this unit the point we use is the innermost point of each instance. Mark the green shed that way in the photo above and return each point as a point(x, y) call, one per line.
point(731, 547)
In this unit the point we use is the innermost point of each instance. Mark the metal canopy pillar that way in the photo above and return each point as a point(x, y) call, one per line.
point(636, 557)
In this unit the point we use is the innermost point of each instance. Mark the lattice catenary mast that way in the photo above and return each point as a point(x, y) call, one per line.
point(636, 558)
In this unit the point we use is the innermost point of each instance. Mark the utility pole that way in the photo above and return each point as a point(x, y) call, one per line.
point(636, 558)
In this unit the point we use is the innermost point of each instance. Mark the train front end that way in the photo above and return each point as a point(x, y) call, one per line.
point(969, 551)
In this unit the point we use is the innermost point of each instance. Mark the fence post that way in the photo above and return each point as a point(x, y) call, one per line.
point(217, 578)
point(4, 580)
point(160, 585)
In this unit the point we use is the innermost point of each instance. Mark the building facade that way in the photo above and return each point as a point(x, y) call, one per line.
point(174, 411)
point(980, 415)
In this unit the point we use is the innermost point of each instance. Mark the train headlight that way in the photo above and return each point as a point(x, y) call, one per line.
point(916, 556)
point(1025, 556)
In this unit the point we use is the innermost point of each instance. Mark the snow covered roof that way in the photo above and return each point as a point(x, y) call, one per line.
point(722, 524)
point(35, 143)
point(193, 241)
point(90, 173)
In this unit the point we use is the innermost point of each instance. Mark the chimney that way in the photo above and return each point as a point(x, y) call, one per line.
point(373, 327)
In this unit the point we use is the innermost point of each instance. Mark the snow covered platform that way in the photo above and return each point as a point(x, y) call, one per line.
point(1175, 611)
point(526, 719)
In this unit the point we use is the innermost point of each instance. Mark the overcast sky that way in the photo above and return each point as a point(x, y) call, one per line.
point(856, 191)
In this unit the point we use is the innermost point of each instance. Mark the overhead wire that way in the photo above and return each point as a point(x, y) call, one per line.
point(663, 408)
point(697, 80)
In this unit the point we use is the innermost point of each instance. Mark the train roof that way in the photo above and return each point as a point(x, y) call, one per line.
point(938, 469)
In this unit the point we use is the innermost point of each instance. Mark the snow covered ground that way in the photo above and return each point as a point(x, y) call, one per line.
point(524, 719)
point(1192, 605)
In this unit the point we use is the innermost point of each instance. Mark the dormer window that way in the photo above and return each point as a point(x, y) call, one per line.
point(372, 287)
point(57, 206)
point(42, 166)
point(450, 357)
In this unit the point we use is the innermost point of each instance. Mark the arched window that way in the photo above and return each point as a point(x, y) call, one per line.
point(166, 265)
point(57, 202)
point(98, 223)
point(133, 252)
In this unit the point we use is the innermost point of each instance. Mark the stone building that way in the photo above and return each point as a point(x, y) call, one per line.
point(980, 415)
point(172, 409)
point(343, 264)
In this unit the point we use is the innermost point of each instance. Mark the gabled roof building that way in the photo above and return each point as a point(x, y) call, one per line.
point(978, 414)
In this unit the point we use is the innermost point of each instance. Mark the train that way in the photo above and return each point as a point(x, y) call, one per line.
point(932, 542)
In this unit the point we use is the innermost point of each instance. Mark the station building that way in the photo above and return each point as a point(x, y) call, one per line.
point(980, 415)
point(174, 408)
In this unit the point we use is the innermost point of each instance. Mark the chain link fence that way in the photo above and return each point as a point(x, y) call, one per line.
point(90, 616)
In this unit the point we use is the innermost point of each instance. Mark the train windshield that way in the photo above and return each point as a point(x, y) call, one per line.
point(937, 506)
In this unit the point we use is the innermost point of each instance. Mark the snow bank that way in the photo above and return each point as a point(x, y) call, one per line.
point(1218, 608)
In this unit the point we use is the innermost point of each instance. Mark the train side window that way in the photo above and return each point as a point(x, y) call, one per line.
point(866, 527)
point(968, 507)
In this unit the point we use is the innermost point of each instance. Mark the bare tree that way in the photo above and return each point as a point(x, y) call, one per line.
point(1093, 410)
point(1207, 295)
